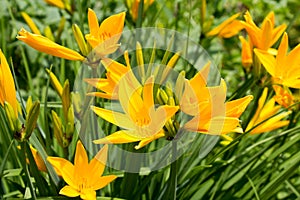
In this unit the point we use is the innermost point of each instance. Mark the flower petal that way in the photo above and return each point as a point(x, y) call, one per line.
point(118, 137)
point(267, 60)
point(146, 141)
point(66, 169)
point(7, 85)
point(80, 161)
point(116, 118)
point(103, 181)
point(69, 191)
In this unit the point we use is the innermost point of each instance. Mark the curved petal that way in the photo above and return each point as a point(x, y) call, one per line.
point(102, 182)
point(146, 141)
point(118, 137)
point(236, 107)
point(113, 25)
point(69, 191)
point(267, 60)
point(116, 118)
point(66, 169)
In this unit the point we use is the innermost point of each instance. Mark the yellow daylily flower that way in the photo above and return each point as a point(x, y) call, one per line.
point(30, 23)
point(142, 121)
point(285, 67)
point(83, 178)
point(45, 45)
point(265, 111)
point(264, 37)
point(283, 96)
point(56, 3)
point(104, 38)
point(109, 85)
point(207, 104)
point(133, 6)
point(228, 28)
point(7, 85)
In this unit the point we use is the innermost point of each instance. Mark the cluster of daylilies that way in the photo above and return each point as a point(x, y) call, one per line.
point(151, 107)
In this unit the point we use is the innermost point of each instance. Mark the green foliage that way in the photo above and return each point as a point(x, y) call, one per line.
point(264, 166)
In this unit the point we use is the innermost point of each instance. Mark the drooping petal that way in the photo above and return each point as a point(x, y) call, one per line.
point(45, 45)
point(119, 137)
point(69, 191)
point(146, 141)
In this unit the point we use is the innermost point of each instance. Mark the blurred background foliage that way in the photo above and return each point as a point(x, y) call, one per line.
point(264, 166)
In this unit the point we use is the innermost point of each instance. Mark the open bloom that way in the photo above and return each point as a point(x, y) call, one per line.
point(109, 85)
point(46, 45)
point(141, 120)
point(211, 115)
point(83, 178)
point(264, 115)
point(264, 37)
point(7, 85)
point(228, 28)
point(104, 38)
point(285, 67)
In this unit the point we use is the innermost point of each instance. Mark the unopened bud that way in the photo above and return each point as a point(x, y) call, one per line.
point(31, 119)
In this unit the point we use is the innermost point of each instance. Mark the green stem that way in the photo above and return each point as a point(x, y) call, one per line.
point(171, 191)
point(25, 168)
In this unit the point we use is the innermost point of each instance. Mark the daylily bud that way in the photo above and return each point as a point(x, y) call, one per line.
point(30, 23)
point(163, 96)
point(179, 85)
point(60, 28)
point(58, 130)
point(140, 60)
point(80, 40)
point(13, 121)
point(70, 123)
point(76, 100)
point(172, 62)
point(168, 89)
point(48, 33)
point(66, 99)
point(55, 83)
point(28, 104)
point(31, 119)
